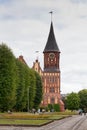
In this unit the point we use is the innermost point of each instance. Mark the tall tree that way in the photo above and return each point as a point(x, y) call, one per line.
point(73, 101)
point(83, 98)
point(26, 98)
point(39, 91)
point(20, 85)
point(7, 78)
point(32, 88)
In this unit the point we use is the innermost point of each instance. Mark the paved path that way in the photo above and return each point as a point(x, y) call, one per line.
point(72, 123)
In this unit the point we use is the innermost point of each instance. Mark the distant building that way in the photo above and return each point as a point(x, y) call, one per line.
point(20, 58)
point(51, 73)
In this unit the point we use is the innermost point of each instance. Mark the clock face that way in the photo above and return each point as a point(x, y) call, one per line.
point(51, 55)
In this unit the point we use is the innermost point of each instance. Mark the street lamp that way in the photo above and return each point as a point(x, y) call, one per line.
point(28, 98)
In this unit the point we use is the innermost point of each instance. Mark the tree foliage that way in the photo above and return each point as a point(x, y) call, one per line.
point(18, 83)
point(39, 92)
point(7, 78)
point(32, 88)
point(50, 107)
point(56, 107)
point(83, 98)
point(73, 101)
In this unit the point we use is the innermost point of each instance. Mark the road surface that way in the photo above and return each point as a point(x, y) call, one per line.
point(71, 123)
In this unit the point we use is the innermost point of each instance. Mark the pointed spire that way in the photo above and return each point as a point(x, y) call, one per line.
point(51, 44)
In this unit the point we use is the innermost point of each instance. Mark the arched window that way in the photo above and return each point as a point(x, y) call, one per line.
point(51, 79)
point(52, 100)
point(52, 90)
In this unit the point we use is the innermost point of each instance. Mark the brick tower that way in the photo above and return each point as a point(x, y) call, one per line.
point(51, 73)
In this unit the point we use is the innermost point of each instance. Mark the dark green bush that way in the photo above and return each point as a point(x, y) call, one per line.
point(56, 107)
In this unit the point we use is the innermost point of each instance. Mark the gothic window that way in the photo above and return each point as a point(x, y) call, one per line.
point(51, 79)
point(55, 79)
point(52, 90)
point(52, 100)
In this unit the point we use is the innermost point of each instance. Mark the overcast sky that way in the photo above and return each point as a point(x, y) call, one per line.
point(24, 27)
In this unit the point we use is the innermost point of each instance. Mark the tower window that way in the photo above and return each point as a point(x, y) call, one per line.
point(51, 79)
point(52, 90)
point(52, 100)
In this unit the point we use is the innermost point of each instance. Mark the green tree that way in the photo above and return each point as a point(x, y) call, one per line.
point(73, 101)
point(32, 88)
point(83, 98)
point(7, 78)
point(27, 87)
point(50, 107)
point(39, 91)
point(20, 85)
point(56, 107)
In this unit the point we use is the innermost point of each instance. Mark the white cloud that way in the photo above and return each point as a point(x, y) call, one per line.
point(24, 26)
point(79, 1)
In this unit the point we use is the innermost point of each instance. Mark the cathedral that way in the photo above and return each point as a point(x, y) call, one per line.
point(51, 73)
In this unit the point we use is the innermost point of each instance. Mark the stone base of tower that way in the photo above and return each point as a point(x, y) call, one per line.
point(62, 108)
point(61, 104)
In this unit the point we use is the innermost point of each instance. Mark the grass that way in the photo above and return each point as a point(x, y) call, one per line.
point(31, 119)
point(22, 122)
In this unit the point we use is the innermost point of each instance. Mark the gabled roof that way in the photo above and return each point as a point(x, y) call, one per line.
point(51, 44)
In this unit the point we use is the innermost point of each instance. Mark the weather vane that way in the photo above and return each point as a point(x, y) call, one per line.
point(51, 12)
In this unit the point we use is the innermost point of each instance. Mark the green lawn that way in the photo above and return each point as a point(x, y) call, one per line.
point(31, 119)
point(23, 122)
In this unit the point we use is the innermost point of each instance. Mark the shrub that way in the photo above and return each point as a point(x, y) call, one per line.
point(56, 107)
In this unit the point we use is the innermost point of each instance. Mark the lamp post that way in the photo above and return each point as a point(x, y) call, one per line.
point(28, 98)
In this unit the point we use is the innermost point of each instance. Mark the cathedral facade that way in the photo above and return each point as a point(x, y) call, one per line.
point(51, 73)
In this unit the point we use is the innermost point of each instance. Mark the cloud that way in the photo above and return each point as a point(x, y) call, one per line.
point(25, 24)
point(4, 1)
point(79, 1)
